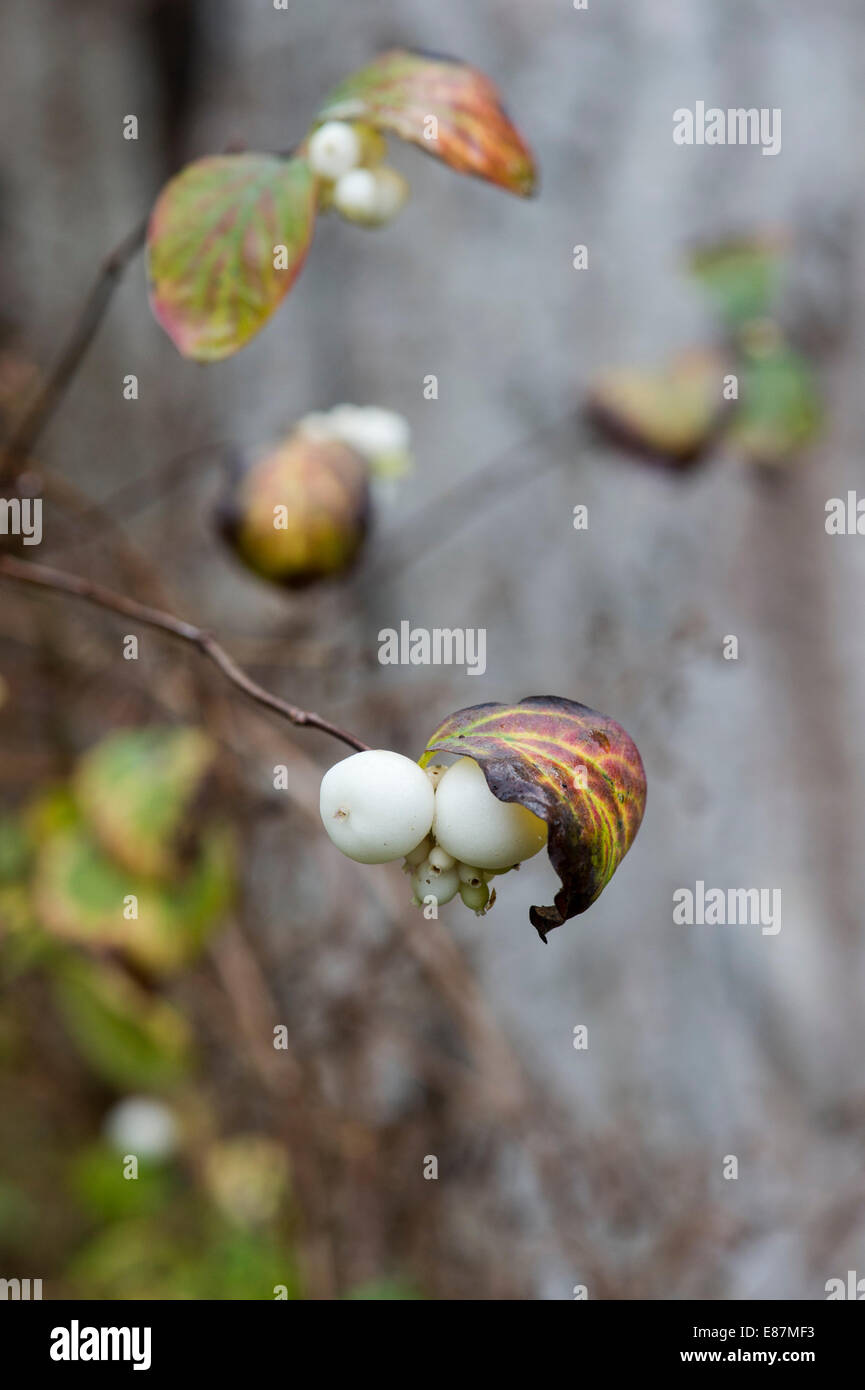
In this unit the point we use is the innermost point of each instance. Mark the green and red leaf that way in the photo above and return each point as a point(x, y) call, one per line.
point(401, 90)
point(574, 768)
point(214, 272)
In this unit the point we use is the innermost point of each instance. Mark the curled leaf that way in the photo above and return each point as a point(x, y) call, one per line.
point(574, 768)
point(669, 415)
point(226, 241)
point(401, 91)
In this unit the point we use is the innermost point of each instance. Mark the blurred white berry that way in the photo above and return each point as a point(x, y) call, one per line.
point(334, 149)
point(371, 430)
point(435, 772)
point(376, 805)
point(392, 191)
point(476, 828)
point(432, 883)
point(141, 1126)
point(370, 196)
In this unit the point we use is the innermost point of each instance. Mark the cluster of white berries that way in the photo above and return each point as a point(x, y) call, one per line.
point(348, 160)
point(447, 825)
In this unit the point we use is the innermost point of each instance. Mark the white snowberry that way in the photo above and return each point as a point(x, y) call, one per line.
point(370, 196)
point(334, 150)
point(391, 192)
point(142, 1126)
point(478, 829)
point(433, 883)
point(376, 805)
point(440, 860)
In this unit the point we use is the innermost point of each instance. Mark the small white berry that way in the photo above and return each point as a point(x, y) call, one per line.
point(428, 883)
point(370, 196)
point(476, 828)
point(440, 859)
point(376, 806)
point(468, 874)
point(435, 772)
point(334, 150)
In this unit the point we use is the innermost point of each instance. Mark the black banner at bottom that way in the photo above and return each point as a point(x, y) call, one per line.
point(152, 1338)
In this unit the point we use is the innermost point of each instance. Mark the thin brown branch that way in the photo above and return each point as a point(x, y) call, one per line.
point(84, 330)
point(44, 577)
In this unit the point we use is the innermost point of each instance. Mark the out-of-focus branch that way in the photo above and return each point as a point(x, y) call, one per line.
point(44, 577)
point(84, 330)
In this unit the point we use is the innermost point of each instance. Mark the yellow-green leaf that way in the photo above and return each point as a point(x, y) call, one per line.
point(131, 1037)
point(135, 789)
point(669, 415)
point(81, 895)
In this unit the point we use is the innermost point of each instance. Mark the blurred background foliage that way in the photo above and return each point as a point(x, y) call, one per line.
point(300, 1167)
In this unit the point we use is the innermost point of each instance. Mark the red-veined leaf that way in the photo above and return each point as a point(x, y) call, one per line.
point(576, 769)
point(401, 90)
point(216, 270)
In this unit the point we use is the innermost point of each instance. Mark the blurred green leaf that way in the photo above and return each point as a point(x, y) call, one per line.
point(14, 850)
point(96, 1177)
point(52, 809)
point(147, 1259)
point(740, 276)
point(780, 410)
point(134, 1039)
point(19, 1215)
point(82, 895)
point(135, 789)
